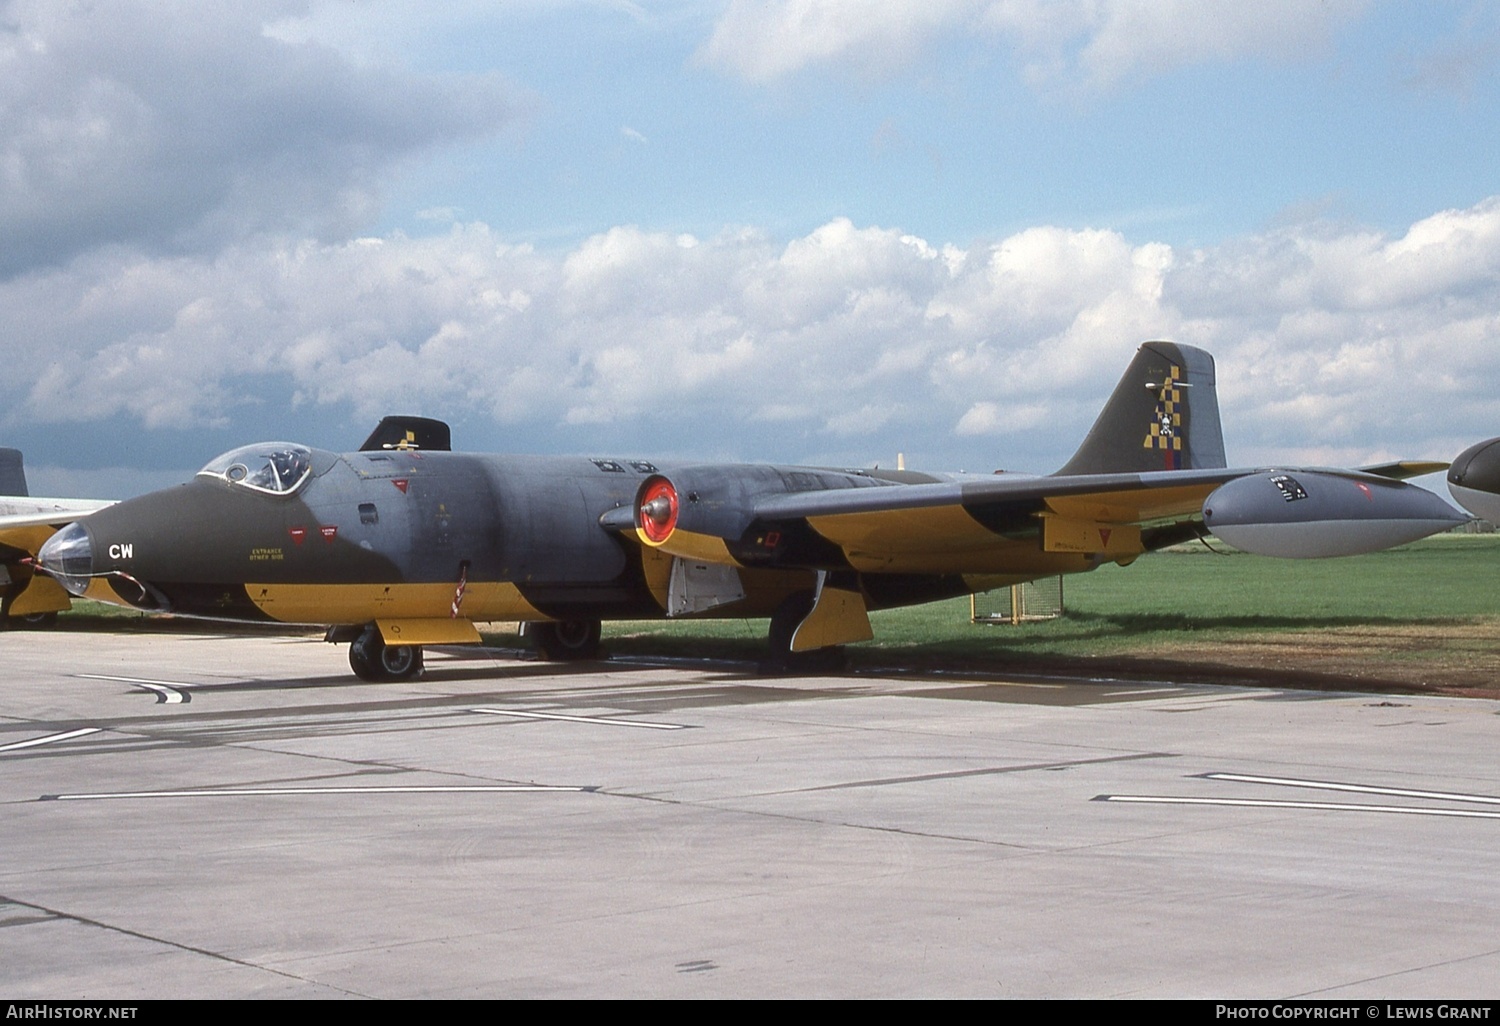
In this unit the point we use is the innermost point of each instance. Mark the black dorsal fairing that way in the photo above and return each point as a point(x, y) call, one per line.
point(12, 473)
point(1163, 415)
point(409, 433)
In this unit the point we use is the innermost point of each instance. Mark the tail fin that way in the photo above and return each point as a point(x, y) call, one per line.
point(12, 473)
point(409, 433)
point(1163, 415)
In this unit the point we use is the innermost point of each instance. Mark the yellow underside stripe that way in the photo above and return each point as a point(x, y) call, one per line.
point(361, 603)
point(706, 548)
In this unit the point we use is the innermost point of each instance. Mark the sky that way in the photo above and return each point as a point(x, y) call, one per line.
point(810, 232)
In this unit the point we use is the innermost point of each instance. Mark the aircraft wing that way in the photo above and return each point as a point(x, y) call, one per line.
point(26, 522)
point(30, 512)
point(1020, 526)
point(1151, 472)
point(1130, 497)
point(1403, 470)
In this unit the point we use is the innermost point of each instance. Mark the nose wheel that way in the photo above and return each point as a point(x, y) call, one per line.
point(372, 659)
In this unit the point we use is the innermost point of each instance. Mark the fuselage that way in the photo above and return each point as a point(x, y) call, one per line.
point(405, 533)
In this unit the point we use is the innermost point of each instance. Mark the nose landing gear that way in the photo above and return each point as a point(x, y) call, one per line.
point(372, 659)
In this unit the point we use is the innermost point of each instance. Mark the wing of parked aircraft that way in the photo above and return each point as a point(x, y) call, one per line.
point(1151, 473)
point(26, 522)
point(405, 543)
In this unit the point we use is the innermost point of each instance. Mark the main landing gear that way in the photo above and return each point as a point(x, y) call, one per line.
point(13, 620)
point(566, 641)
point(24, 621)
point(784, 623)
point(372, 659)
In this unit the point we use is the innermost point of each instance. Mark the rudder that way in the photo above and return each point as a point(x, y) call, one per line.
point(1163, 415)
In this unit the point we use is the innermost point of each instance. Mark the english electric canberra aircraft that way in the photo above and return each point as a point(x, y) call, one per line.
point(406, 543)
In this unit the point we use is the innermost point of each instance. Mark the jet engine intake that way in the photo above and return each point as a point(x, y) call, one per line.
point(656, 510)
point(707, 514)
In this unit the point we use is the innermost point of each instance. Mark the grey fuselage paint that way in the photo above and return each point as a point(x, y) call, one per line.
point(400, 517)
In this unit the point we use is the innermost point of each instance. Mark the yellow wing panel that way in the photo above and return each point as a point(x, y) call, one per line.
point(1134, 505)
point(937, 540)
point(947, 539)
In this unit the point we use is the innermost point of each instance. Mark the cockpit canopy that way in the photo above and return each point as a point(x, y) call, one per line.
point(276, 468)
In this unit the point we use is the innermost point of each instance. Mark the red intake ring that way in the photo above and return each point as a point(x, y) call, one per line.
point(656, 509)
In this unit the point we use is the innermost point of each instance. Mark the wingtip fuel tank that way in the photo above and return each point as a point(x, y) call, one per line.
point(1310, 514)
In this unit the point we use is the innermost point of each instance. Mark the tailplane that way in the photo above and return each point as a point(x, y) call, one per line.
point(1163, 415)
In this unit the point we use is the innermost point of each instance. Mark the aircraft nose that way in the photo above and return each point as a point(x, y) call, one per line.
point(69, 557)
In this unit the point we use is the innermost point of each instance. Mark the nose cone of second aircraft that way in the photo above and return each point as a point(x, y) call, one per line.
point(1474, 479)
point(69, 557)
point(128, 552)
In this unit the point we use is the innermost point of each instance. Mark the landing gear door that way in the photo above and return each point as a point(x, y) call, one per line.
point(697, 587)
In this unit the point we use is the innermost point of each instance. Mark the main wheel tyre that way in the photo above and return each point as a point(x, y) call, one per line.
point(784, 623)
point(23, 621)
point(27, 621)
point(372, 659)
point(401, 662)
point(567, 640)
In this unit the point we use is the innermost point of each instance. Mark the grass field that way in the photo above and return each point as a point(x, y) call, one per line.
point(1424, 617)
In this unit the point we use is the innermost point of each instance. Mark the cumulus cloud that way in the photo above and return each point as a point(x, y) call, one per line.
point(1334, 345)
point(1092, 43)
point(1105, 43)
point(177, 126)
point(761, 40)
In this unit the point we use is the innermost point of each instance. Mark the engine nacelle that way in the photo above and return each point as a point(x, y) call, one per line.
point(1474, 479)
point(707, 513)
point(1309, 515)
